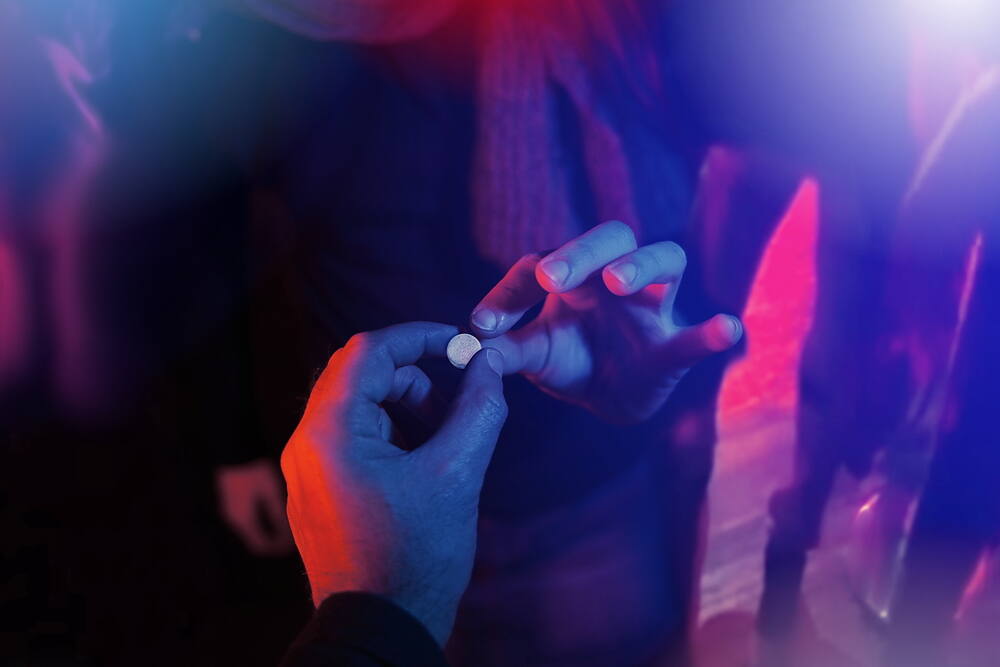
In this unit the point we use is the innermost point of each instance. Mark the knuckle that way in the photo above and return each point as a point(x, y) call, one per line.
point(288, 462)
point(677, 252)
point(503, 300)
point(364, 345)
point(582, 252)
point(504, 292)
point(340, 358)
point(622, 230)
point(490, 406)
point(285, 460)
point(527, 261)
point(359, 342)
point(404, 377)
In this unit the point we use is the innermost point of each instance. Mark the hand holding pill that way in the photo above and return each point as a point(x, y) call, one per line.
point(368, 515)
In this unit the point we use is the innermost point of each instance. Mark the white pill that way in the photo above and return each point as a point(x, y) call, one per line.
point(462, 348)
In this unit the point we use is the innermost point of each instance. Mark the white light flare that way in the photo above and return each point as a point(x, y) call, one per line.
point(958, 16)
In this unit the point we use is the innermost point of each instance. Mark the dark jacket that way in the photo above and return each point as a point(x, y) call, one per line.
point(360, 629)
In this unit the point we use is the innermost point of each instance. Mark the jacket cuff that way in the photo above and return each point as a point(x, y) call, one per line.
point(372, 625)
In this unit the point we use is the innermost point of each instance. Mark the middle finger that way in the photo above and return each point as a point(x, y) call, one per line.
point(655, 264)
point(569, 266)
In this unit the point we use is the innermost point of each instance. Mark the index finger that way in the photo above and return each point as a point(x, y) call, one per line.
point(362, 372)
point(516, 293)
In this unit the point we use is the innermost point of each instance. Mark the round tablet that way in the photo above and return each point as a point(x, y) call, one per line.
point(462, 348)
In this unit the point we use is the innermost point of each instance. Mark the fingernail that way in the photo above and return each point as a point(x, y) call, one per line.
point(557, 271)
point(485, 319)
point(737, 328)
point(495, 359)
point(625, 273)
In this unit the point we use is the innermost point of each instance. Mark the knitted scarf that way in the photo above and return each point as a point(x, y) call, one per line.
point(531, 54)
point(532, 51)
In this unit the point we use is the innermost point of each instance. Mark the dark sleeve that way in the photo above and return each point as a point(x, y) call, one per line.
point(361, 629)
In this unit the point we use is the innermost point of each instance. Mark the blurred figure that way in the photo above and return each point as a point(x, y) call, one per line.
point(928, 292)
point(789, 92)
point(126, 356)
point(53, 143)
point(958, 517)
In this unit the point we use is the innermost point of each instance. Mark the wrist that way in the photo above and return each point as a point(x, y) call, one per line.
point(435, 614)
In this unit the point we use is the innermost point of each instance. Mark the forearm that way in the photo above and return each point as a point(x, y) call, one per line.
point(371, 21)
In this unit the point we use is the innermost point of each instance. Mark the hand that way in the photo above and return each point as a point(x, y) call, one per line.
point(252, 502)
point(606, 337)
point(370, 516)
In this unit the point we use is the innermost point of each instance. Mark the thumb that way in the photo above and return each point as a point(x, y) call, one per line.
point(470, 432)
